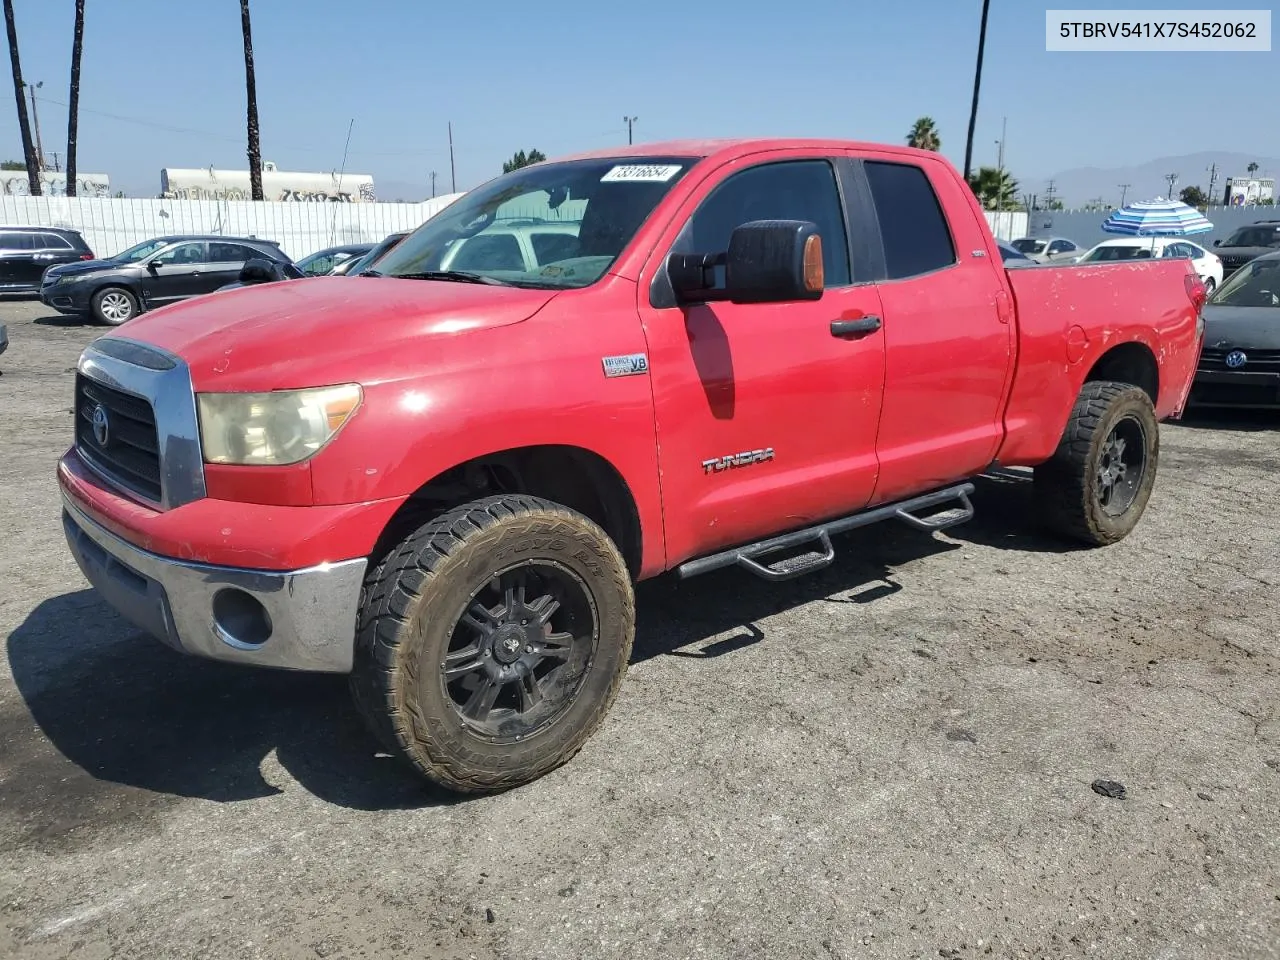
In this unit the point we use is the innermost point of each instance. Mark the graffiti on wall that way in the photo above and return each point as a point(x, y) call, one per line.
point(15, 184)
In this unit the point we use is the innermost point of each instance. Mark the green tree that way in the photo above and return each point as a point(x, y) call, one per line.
point(924, 135)
point(12, 165)
point(995, 189)
point(1252, 168)
point(1193, 197)
point(521, 159)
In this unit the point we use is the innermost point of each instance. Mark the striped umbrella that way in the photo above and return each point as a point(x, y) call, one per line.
point(1157, 218)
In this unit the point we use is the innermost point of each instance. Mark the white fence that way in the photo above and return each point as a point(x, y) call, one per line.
point(111, 225)
point(1007, 224)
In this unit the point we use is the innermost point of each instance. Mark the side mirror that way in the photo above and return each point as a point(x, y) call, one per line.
point(768, 261)
point(260, 270)
point(1217, 243)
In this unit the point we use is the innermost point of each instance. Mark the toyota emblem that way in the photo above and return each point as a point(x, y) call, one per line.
point(1236, 359)
point(101, 425)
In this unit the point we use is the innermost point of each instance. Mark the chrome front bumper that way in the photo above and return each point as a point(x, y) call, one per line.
point(293, 620)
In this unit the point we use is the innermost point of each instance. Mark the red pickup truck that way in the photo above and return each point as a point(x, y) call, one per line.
point(445, 475)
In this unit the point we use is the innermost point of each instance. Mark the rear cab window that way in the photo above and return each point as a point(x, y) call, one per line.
point(913, 227)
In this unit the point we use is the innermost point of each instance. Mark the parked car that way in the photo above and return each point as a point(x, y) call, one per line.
point(1012, 257)
point(1047, 249)
point(332, 260)
point(1240, 362)
point(447, 483)
point(387, 243)
point(1206, 264)
point(151, 274)
point(4, 337)
point(1246, 243)
point(26, 252)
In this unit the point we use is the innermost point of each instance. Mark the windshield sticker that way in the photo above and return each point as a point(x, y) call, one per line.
point(646, 173)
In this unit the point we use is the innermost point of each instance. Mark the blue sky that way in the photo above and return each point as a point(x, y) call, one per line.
point(560, 75)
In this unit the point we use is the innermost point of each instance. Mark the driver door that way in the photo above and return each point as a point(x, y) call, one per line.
point(176, 273)
point(771, 380)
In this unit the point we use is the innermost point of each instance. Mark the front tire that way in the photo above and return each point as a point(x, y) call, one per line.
point(1095, 488)
point(492, 641)
point(113, 306)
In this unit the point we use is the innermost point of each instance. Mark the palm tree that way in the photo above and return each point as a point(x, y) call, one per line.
point(995, 189)
point(924, 135)
point(73, 109)
point(19, 93)
point(1252, 168)
point(251, 92)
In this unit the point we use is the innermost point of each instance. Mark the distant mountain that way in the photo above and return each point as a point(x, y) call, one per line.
point(1147, 181)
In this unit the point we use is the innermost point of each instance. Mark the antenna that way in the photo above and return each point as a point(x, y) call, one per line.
point(333, 223)
point(453, 176)
point(1173, 179)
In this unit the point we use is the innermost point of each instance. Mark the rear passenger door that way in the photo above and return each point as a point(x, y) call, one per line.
point(947, 328)
point(225, 263)
point(16, 264)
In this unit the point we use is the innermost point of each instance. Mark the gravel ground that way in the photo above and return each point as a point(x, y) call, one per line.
point(889, 759)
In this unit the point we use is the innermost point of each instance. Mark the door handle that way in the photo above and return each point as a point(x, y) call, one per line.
point(855, 328)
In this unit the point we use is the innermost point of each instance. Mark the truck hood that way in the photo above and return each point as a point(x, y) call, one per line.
point(304, 332)
point(1229, 328)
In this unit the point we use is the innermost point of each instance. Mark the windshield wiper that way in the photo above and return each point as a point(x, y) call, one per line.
point(461, 276)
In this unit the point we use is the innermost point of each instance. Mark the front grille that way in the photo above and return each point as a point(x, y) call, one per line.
point(1256, 361)
point(130, 457)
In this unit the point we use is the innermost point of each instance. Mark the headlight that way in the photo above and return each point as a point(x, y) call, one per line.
point(277, 428)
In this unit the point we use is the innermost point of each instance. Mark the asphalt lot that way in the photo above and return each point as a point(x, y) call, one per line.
point(889, 759)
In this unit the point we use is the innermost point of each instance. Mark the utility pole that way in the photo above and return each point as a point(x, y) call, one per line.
point(56, 167)
point(1173, 179)
point(1049, 192)
point(433, 184)
point(1124, 190)
point(629, 121)
point(453, 176)
point(977, 84)
point(1213, 180)
point(35, 119)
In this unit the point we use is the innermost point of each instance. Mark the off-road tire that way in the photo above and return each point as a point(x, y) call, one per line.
point(1067, 485)
point(96, 307)
point(411, 601)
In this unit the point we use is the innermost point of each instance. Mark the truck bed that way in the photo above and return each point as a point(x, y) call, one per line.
point(1142, 302)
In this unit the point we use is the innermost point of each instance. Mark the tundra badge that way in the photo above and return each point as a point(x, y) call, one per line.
point(717, 464)
point(627, 366)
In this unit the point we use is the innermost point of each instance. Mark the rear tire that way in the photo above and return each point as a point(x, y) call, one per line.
point(1095, 488)
point(113, 306)
point(492, 641)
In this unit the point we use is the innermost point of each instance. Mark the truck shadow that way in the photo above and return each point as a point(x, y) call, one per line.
point(128, 711)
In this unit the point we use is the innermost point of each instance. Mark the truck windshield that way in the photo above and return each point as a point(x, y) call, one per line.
point(1256, 285)
point(550, 226)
